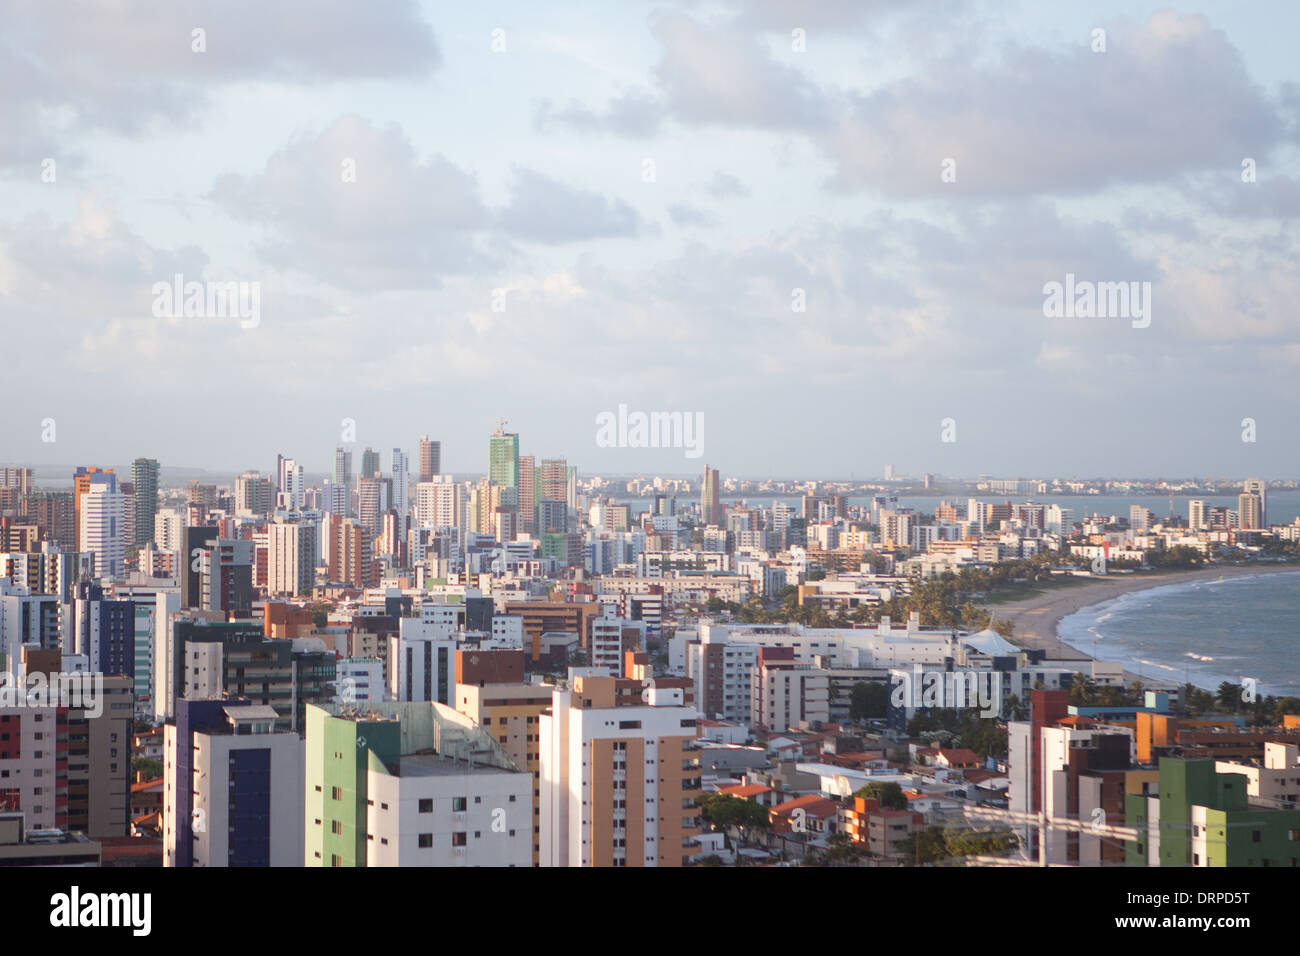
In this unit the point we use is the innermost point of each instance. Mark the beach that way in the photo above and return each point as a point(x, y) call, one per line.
point(1034, 620)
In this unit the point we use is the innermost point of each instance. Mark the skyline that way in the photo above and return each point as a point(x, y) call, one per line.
point(828, 232)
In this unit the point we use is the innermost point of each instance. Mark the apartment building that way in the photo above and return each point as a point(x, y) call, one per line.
point(411, 784)
point(233, 787)
point(618, 783)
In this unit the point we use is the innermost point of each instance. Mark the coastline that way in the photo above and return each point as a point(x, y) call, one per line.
point(1035, 620)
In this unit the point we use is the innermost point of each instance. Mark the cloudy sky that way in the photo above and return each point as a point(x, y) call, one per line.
point(541, 212)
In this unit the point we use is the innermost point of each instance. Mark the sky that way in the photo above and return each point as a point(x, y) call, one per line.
point(827, 229)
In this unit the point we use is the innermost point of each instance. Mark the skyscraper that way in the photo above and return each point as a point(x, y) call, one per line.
point(1257, 486)
point(101, 527)
point(527, 492)
point(144, 475)
point(711, 498)
point(1196, 514)
point(401, 478)
point(369, 463)
point(342, 467)
point(553, 480)
point(430, 463)
point(503, 459)
point(1249, 510)
point(289, 484)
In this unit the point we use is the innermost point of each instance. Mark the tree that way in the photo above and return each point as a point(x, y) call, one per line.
point(869, 699)
point(152, 769)
point(926, 846)
point(722, 811)
point(888, 793)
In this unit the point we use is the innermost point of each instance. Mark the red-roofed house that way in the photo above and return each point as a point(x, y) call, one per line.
point(956, 758)
point(811, 814)
point(755, 792)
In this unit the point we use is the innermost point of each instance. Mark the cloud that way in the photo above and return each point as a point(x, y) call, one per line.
point(542, 209)
point(684, 214)
point(356, 206)
point(633, 114)
point(724, 186)
point(713, 73)
point(67, 66)
point(1170, 96)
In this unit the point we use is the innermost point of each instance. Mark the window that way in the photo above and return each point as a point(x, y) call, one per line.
point(458, 804)
point(426, 841)
point(336, 826)
point(426, 806)
point(458, 839)
point(336, 793)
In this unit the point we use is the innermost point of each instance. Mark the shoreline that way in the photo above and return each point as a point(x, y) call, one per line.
point(1035, 620)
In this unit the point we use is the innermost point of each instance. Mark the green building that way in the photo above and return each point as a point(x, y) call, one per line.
point(144, 478)
point(411, 783)
point(1200, 817)
point(503, 459)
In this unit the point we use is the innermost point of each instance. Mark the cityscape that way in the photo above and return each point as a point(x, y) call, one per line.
point(727, 435)
point(837, 679)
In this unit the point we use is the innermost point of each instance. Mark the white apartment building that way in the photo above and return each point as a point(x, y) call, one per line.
point(422, 659)
point(102, 529)
point(242, 797)
point(617, 783)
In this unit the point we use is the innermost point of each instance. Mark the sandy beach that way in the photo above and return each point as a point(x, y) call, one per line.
point(1034, 620)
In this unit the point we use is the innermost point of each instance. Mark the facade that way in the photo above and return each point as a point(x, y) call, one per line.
point(144, 476)
point(785, 694)
point(618, 783)
point(430, 458)
point(101, 528)
point(711, 498)
point(1202, 818)
point(68, 768)
point(503, 459)
point(233, 787)
point(411, 784)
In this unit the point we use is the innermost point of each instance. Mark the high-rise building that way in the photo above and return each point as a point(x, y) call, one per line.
point(372, 502)
point(254, 495)
point(289, 484)
point(369, 464)
point(399, 499)
point(527, 492)
point(1139, 518)
point(1257, 486)
point(233, 792)
point(439, 503)
point(104, 631)
point(411, 784)
point(711, 498)
point(553, 480)
point(342, 467)
point(291, 559)
point(102, 526)
point(490, 691)
point(618, 782)
point(144, 476)
point(1249, 511)
point(503, 459)
point(430, 463)
point(1196, 514)
point(67, 767)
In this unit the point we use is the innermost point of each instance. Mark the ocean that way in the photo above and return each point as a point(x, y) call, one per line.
point(1204, 632)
